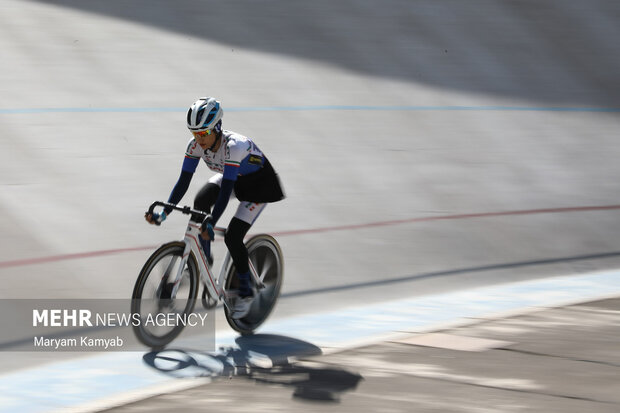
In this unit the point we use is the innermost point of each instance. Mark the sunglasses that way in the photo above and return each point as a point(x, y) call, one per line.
point(203, 133)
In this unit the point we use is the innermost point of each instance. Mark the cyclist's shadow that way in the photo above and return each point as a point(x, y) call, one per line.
point(264, 358)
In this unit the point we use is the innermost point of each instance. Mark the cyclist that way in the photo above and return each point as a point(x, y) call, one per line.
point(242, 170)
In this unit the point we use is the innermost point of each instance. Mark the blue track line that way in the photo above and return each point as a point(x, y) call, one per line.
point(321, 108)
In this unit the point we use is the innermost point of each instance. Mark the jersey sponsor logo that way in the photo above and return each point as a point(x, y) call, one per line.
point(255, 160)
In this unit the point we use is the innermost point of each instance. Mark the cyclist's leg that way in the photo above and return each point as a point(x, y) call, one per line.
point(204, 201)
point(206, 197)
point(246, 214)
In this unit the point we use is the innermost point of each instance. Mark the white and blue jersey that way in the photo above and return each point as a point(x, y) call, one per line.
point(236, 156)
point(236, 159)
point(243, 172)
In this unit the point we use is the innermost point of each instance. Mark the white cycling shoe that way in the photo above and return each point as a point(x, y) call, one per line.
point(242, 307)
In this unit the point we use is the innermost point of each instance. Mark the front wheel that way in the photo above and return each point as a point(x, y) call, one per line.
point(158, 292)
point(266, 257)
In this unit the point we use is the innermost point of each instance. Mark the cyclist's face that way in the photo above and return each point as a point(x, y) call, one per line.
point(205, 138)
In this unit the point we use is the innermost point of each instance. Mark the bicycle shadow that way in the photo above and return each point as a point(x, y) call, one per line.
point(264, 358)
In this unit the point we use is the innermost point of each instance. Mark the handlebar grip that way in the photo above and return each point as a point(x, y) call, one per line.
point(151, 211)
point(156, 204)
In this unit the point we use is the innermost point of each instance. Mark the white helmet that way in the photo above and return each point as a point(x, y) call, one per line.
point(205, 113)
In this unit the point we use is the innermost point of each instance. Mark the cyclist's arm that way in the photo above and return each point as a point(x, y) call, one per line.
point(180, 188)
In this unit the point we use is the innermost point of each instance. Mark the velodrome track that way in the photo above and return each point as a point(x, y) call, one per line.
point(425, 147)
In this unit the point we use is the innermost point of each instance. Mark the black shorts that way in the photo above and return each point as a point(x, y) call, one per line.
point(261, 187)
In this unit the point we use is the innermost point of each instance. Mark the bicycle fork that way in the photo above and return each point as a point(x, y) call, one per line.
point(179, 274)
point(190, 237)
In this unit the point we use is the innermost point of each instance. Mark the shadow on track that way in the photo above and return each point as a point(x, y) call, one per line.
point(264, 358)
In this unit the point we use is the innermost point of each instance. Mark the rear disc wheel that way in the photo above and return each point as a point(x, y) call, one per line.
point(266, 256)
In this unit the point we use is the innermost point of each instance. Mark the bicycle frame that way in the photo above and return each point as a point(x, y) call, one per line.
point(215, 287)
point(186, 261)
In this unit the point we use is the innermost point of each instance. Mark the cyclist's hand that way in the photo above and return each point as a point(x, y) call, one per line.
point(207, 232)
point(155, 218)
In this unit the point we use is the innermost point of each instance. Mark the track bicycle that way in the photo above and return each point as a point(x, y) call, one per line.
point(170, 279)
